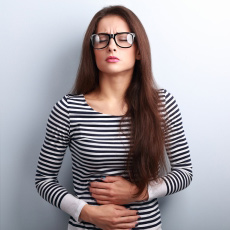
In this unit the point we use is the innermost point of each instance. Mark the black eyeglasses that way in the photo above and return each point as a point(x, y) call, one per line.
point(123, 39)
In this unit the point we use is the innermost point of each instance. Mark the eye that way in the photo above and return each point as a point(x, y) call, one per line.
point(103, 41)
point(100, 38)
point(123, 39)
point(127, 38)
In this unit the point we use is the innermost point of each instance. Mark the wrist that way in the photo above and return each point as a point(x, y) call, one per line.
point(143, 196)
point(87, 213)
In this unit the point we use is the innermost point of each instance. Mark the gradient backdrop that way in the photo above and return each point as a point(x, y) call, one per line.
point(40, 47)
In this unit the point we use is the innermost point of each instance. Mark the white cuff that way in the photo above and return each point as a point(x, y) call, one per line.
point(73, 206)
point(157, 189)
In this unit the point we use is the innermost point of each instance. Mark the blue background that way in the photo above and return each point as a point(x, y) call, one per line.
point(40, 47)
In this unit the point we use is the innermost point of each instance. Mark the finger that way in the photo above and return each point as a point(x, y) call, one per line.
point(100, 197)
point(103, 202)
point(108, 202)
point(119, 207)
point(127, 219)
point(127, 212)
point(99, 191)
point(112, 178)
point(96, 184)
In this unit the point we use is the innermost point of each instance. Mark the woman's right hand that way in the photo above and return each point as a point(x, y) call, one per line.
point(110, 216)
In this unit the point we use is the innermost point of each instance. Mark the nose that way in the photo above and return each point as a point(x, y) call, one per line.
point(112, 44)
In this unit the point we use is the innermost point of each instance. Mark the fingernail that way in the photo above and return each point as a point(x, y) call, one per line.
point(103, 177)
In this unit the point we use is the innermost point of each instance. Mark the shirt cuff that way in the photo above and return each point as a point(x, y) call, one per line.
point(156, 189)
point(73, 206)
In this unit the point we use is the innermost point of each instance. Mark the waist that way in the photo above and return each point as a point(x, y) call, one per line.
point(149, 212)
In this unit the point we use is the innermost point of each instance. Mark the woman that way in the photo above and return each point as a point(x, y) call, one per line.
point(116, 124)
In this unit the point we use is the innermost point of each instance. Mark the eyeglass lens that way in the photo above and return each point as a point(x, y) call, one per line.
point(102, 40)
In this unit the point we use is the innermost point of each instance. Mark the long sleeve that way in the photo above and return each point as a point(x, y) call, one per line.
point(50, 160)
point(180, 175)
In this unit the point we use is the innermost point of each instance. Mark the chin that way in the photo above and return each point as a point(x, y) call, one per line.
point(115, 70)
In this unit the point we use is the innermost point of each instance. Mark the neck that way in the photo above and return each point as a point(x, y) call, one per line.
point(112, 87)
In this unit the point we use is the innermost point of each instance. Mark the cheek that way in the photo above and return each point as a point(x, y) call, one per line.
point(130, 56)
point(98, 57)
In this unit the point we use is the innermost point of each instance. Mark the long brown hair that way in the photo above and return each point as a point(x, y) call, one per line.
point(146, 154)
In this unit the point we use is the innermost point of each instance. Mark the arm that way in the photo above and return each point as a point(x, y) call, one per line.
point(50, 161)
point(180, 162)
point(178, 153)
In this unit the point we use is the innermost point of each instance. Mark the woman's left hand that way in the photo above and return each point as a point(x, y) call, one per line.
point(113, 190)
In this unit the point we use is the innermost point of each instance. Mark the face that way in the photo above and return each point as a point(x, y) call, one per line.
point(112, 24)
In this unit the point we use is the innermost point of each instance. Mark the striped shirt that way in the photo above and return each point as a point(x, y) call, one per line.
point(98, 149)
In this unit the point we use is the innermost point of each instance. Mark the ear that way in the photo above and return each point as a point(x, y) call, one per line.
point(138, 55)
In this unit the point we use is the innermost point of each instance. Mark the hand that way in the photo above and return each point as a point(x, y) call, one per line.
point(110, 216)
point(114, 190)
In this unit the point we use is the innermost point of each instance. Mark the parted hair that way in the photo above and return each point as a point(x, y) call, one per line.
point(146, 152)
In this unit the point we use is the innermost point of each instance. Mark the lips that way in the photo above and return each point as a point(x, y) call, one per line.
point(112, 59)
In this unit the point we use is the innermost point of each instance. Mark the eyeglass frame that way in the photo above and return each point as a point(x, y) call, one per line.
point(112, 36)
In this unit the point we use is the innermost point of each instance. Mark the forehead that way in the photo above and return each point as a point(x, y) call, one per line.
point(112, 24)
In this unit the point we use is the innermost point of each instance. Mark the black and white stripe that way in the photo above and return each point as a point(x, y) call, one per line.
point(178, 150)
point(98, 148)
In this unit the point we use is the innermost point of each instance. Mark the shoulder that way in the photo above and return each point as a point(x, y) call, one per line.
point(166, 97)
point(168, 104)
point(169, 107)
point(69, 99)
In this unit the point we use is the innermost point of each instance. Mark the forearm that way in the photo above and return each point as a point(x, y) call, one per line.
point(156, 188)
point(73, 206)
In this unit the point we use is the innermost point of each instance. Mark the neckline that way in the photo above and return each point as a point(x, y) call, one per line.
point(99, 112)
